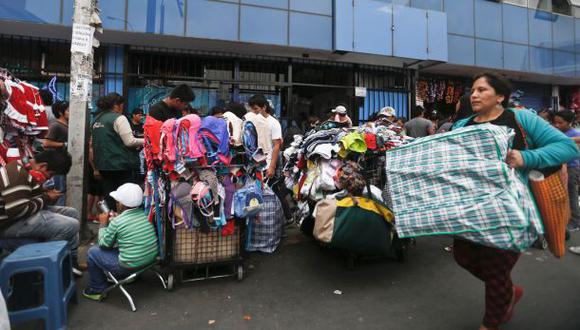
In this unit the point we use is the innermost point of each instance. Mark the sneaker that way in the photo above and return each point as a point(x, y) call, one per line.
point(93, 295)
point(573, 227)
point(575, 249)
point(77, 272)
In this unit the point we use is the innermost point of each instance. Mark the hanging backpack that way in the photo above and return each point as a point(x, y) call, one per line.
point(180, 208)
point(250, 142)
point(248, 201)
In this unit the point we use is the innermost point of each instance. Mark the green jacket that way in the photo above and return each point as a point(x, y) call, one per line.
point(109, 152)
point(547, 147)
point(135, 236)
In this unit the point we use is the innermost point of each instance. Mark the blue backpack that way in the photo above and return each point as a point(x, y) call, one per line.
point(250, 142)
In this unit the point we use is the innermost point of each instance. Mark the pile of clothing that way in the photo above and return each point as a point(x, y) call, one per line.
point(328, 160)
point(198, 178)
point(458, 183)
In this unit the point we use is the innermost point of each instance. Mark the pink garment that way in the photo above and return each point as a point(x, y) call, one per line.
point(167, 152)
point(192, 123)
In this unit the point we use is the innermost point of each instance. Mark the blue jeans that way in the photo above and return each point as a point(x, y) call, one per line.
point(60, 185)
point(54, 223)
point(100, 261)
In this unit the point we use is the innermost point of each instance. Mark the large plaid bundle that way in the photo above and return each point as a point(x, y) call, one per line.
point(265, 230)
point(457, 183)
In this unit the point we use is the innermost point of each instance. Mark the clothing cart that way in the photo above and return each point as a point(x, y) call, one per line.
point(196, 255)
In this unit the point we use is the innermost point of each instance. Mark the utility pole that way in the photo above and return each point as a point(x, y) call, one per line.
point(85, 20)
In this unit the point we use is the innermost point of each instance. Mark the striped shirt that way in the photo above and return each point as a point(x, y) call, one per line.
point(20, 195)
point(135, 236)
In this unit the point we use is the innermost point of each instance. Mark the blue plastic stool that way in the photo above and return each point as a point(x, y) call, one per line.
point(53, 260)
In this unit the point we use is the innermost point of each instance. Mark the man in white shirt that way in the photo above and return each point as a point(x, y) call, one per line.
point(260, 105)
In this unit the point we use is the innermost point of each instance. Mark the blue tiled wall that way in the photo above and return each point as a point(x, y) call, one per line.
point(499, 35)
point(476, 32)
point(461, 50)
point(263, 25)
point(310, 31)
point(484, 28)
point(383, 28)
point(212, 20)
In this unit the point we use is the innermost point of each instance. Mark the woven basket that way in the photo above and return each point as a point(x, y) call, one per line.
point(552, 199)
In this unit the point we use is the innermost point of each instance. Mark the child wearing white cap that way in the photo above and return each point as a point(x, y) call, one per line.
point(131, 231)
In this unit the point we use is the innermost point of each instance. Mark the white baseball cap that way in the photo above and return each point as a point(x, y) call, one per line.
point(388, 111)
point(341, 109)
point(129, 194)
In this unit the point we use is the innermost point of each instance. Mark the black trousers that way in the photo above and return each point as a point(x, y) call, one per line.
point(277, 185)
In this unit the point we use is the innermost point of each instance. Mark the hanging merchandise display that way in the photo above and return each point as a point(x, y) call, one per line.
point(433, 90)
point(22, 119)
point(206, 197)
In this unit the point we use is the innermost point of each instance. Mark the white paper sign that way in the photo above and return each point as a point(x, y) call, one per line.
point(360, 91)
point(82, 88)
point(82, 38)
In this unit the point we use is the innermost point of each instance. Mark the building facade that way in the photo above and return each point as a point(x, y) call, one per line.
point(305, 55)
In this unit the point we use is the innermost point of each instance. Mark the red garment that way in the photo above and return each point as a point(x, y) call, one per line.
point(16, 107)
point(34, 109)
point(152, 131)
point(229, 228)
point(301, 164)
point(37, 176)
point(300, 184)
point(371, 141)
point(152, 136)
point(492, 266)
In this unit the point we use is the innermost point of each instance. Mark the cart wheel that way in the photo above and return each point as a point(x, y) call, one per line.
point(240, 272)
point(400, 247)
point(170, 282)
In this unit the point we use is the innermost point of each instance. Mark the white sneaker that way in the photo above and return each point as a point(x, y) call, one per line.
point(575, 249)
point(77, 272)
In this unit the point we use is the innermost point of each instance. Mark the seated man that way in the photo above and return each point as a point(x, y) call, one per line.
point(24, 209)
point(131, 231)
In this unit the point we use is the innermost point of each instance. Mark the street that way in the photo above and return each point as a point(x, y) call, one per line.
point(295, 289)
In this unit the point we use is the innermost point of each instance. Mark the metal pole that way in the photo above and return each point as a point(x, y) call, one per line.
point(81, 84)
